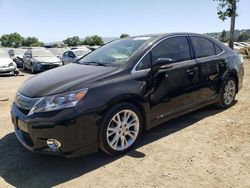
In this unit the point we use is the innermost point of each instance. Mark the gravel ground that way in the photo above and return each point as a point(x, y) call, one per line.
point(207, 148)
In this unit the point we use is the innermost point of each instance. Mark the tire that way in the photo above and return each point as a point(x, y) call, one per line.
point(227, 93)
point(116, 137)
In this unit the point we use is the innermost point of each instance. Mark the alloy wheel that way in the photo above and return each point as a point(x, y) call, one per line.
point(229, 92)
point(122, 130)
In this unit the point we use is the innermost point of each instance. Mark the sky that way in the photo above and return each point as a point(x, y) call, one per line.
point(55, 20)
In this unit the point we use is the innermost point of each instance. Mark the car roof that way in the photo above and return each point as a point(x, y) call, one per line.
point(163, 35)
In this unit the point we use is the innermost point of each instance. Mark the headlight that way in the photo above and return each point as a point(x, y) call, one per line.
point(59, 101)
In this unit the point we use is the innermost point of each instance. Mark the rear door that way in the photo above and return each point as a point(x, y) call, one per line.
point(209, 63)
point(173, 89)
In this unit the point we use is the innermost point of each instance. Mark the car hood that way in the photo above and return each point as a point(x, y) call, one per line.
point(5, 62)
point(47, 59)
point(62, 79)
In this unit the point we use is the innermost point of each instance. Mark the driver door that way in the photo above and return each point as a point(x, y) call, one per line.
point(173, 89)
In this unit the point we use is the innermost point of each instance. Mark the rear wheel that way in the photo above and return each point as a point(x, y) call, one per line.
point(121, 129)
point(228, 93)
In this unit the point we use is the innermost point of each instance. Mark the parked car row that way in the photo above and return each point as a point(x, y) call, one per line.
point(38, 59)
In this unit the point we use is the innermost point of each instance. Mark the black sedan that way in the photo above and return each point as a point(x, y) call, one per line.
point(106, 99)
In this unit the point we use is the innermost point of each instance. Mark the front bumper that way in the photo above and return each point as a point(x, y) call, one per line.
point(76, 133)
point(7, 70)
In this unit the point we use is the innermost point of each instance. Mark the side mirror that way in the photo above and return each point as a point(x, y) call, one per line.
point(162, 63)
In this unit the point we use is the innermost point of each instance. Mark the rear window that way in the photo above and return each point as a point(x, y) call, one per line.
point(202, 47)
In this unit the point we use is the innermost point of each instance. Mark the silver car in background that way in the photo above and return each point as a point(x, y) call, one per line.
point(38, 60)
point(71, 56)
point(57, 51)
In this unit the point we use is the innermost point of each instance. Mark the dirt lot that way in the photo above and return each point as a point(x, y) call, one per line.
point(208, 148)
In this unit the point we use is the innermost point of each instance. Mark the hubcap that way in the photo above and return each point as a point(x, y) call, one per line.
point(123, 130)
point(229, 92)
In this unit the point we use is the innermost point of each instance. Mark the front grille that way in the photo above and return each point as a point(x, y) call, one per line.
point(25, 103)
point(50, 66)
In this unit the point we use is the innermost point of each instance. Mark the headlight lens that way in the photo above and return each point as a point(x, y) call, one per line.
point(59, 101)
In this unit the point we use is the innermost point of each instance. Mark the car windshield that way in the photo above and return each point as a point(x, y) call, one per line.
point(80, 52)
point(57, 51)
point(42, 53)
point(116, 53)
point(19, 52)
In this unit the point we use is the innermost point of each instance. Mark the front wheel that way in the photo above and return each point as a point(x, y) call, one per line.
point(228, 93)
point(121, 129)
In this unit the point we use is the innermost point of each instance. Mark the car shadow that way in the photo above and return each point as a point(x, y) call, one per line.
point(21, 168)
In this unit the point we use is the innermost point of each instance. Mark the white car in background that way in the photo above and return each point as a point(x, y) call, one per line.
point(17, 55)
point(57, 51)
point(7, 65)
point(71, 56)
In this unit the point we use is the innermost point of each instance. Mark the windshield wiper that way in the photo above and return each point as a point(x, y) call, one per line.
point(94, 63)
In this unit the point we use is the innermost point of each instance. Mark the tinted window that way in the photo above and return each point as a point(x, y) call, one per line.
point(176, 48)
point(202, 47)
point(71, 54)
point(218, 50)
point(145, 62)
point(66, 54)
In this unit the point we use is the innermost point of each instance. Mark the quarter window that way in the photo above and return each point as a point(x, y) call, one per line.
point(176, 48)
point(202, 47)
point(218, 50)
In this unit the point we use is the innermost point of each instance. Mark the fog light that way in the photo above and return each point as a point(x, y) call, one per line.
point(53, 144)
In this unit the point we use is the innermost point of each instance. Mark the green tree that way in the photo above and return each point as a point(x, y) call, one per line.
point(124, 35)
point(31, 41)
point(11, 40)
point(243, 37)
point(72, 41)
point(94, 40)
point(227, 9)
point(223, 36)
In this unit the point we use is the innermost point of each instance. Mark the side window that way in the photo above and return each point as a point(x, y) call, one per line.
point(176, 48)
point(71, 54)
point(218, 50)
point(145, 63)
point(66, 54)
point(202, 47)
